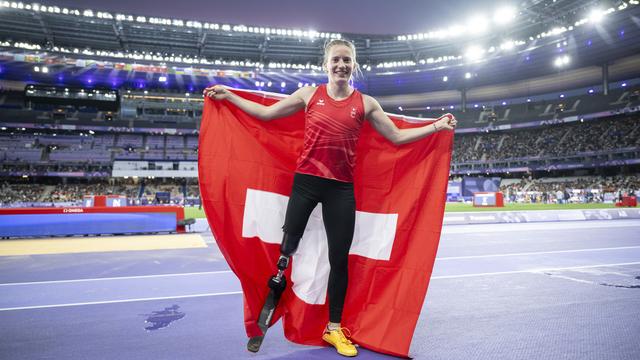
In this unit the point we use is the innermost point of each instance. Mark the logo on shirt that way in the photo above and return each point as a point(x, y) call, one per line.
point(320, 102)
point(353, 113)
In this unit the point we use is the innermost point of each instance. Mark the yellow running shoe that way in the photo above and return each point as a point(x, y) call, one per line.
point(341, 342)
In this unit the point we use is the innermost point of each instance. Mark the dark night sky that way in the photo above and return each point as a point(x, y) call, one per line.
point(364, 16)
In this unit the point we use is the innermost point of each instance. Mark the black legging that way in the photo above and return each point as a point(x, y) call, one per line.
point(339, 215)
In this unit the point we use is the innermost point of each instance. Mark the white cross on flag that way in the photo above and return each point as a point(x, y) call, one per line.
point(246, 173)
point(373, 238)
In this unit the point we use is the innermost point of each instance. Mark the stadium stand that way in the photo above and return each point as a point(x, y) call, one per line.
point(67, 117)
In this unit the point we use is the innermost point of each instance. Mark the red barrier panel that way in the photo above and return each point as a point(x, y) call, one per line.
point(488, 199)
point(628, 201)
point(104, 200)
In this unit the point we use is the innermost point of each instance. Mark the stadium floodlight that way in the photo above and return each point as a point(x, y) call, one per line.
point(596, 15)
point(477, 25)
point(269, 84)
point(504, 15)
point(44, 69)
point(283, 84)
point(162, 79)
point(507, 45)
point(562, 61)
point(36, 68)
point(467, 75)
point(445, 78)
point(474, 53)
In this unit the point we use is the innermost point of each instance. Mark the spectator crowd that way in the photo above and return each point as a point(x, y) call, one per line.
point(46, 181)
point(587, 189)
point(549, 141)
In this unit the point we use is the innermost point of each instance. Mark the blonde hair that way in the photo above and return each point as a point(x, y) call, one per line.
point(357, 73)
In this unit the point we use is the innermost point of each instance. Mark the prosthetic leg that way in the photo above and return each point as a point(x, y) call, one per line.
point(277, 284)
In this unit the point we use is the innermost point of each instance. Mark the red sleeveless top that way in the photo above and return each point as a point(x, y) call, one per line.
point(332, 128)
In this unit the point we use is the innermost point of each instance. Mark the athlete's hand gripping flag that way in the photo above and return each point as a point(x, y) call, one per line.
point(246, 169)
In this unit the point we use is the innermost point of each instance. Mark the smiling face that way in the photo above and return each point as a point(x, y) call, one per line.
point(339, 63)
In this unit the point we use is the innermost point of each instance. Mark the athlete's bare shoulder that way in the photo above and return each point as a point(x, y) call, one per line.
point(370, 103)
point(306, 93)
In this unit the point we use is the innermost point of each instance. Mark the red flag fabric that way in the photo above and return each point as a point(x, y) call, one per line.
point(246, 169)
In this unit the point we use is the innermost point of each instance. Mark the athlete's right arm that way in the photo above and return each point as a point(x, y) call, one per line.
point(287, 106)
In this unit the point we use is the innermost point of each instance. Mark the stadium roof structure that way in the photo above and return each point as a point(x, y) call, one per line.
point(546, 37)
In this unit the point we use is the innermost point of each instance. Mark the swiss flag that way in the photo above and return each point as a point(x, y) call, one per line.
point(246, 169)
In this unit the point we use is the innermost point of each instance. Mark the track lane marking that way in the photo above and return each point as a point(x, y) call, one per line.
point(119, 301)
point(229, 271)
point(538, 226)
point(534, 253)
point(530, 271)
point(115, 278)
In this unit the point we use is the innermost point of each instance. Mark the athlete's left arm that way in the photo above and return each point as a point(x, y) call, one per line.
point(386, 127)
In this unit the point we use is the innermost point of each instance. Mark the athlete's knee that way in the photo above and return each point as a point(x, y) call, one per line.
point(287, 249)
point(339, 257)
point(289, 244)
